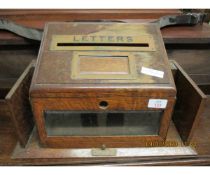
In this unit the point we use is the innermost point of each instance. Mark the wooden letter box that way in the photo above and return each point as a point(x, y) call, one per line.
point(102, 85)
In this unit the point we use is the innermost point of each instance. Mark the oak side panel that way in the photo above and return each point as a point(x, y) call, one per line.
point(189, 106)
point(201, 137)
point(19, 105)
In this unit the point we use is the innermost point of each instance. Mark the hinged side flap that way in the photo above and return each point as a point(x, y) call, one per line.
point(18, 101)
point(189, 105)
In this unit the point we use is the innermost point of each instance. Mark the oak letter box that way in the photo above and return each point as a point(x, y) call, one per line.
point(102, 84)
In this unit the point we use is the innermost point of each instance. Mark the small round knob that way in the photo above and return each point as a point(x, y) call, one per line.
point(103, 147)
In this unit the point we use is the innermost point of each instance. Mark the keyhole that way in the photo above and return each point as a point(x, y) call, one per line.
point(103, 104)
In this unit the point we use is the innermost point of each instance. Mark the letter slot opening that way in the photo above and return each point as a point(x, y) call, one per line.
point(104, 44)
point(68, 42)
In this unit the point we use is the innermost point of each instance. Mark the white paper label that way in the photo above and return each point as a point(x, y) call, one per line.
point(157, 103)
point(152, 72)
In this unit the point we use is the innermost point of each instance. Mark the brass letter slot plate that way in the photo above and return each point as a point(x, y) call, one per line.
point(101, 65)
point(103, 43)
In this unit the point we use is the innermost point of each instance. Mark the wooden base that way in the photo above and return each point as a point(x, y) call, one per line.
point(35, 154)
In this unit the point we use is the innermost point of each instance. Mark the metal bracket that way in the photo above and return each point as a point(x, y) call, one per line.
point(104, 151)
point(190, 19)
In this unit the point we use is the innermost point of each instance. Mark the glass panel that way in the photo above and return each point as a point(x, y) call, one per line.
point(74, 123)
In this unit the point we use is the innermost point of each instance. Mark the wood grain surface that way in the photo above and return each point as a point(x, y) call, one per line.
point(189, 105)
point(5, 158)
point(33, 151)
point(62, 79)
point(15, 106)
point(194, 61)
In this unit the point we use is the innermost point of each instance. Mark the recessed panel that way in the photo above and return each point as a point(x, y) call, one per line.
point(104, 65)
point(93, 65)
